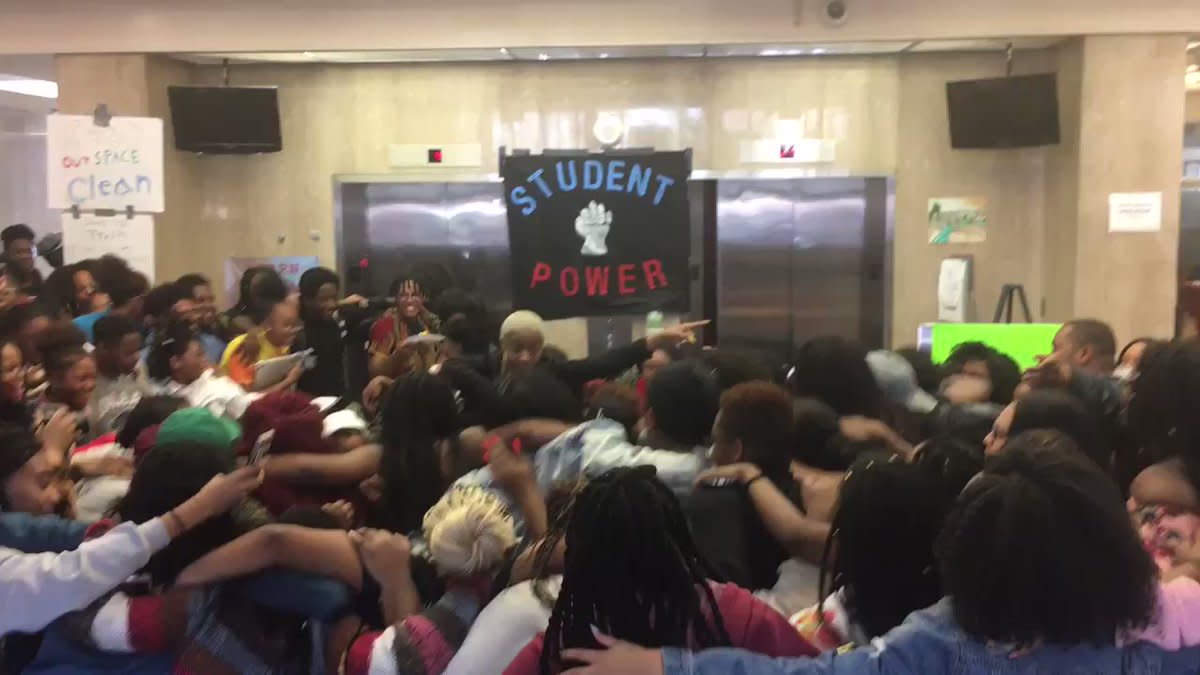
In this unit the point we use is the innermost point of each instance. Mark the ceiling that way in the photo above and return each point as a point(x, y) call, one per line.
point(641, 52)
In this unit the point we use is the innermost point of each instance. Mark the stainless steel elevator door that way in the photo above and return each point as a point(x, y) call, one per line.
point(459, 227)
point(797, 259)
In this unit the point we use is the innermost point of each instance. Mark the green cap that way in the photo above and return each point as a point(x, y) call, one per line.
point(198, 425)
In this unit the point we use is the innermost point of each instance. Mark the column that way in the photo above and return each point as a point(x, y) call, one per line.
point(1130, 139)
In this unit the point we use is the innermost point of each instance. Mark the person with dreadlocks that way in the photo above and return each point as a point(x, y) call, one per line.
point(1165, 496)
point(1041, 575)
point(632, 570)
point(888, 510)
point(420, 425)
point(391, 355)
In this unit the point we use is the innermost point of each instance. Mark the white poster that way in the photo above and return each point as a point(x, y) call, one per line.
point(91, 236)
point(95, 167)
point(1135, 212)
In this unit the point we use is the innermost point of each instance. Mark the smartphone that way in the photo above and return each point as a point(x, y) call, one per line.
point(262, 446)
point(719, 482)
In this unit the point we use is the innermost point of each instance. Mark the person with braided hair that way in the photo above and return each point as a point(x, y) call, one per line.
point(1041, 575)
point(1165, 496)
point(632, 570)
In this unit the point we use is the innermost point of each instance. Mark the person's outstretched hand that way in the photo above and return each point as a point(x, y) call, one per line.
point(343, 511)
point(385, 554)
point(60, 431)
point(741, 472)
point(374, 391)
point(1051, 372)
point(511, 471)
point(675, 335)
point(219, 495)
point(619, 658)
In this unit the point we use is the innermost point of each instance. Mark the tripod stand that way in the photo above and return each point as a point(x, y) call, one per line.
point(1005, 304)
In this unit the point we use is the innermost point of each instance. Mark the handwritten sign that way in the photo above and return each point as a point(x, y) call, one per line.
point(91, 236)
point(95, 167)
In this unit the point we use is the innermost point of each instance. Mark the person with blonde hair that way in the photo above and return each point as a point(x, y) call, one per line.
point(467, 535)
point(523, 345)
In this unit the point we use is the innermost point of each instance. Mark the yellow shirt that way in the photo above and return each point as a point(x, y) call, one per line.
point(243, 373)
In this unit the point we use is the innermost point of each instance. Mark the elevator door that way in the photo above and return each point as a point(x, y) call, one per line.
point(794, 258)
point(457, 231)
point(799, 258)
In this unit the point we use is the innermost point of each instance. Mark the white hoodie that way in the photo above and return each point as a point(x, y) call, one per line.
point(37, 588)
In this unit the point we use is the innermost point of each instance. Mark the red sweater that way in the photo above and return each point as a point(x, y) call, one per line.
point(752, 625)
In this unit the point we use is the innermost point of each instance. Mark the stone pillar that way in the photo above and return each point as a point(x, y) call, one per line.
point(136, 85)
point(118, 80)
point(1130, 139)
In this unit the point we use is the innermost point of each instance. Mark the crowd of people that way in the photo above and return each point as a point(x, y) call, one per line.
point(300, 484)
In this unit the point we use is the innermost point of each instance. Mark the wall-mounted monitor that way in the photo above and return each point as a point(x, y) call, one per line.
point(1005, 112)
point(225, 120)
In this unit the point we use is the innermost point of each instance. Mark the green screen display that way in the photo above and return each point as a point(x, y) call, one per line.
point(1024, 342)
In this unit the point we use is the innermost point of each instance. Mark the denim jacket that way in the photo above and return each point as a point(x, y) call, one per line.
point(592, 448)
point(589, 450)
point(929, 642)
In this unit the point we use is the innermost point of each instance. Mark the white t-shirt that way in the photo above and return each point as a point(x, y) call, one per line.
point(220, 395)
point(503, 629)
point(95, 496)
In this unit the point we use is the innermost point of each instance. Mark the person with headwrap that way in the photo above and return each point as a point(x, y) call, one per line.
point(288, 425)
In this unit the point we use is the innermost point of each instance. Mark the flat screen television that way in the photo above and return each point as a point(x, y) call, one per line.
point(1005, 112)
point(225, 120)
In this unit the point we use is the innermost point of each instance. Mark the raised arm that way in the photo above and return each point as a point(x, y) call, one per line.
point(515, 475)
point(803, 537)
point(616, 361)
point(47, 585)
point(327, 553)
point(347, 468)
point(534, 433)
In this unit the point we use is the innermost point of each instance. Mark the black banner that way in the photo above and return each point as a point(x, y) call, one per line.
point(596, 234)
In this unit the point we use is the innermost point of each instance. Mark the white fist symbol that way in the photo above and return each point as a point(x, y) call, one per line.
point(592, 224)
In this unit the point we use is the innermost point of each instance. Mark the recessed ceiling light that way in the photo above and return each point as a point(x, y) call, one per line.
point(770, 52)
point(504, 50)
point(604, 55)
point(543, 57)
point(818, 50)
point(308, 55)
